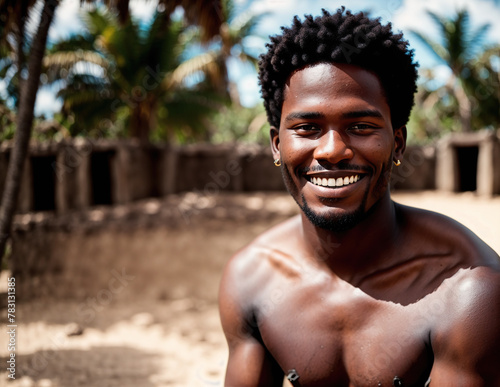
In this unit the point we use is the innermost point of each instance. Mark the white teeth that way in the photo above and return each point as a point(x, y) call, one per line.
point(332, 182)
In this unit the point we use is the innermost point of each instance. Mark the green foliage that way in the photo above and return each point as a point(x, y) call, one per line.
point(460, 44)
point(9, 73)
point(124, 76)
point(435, 112)
point(240, 124)
point(152, 81)
point(7, 122)
point(470, 100)
point(231, 44)
point(483, 87)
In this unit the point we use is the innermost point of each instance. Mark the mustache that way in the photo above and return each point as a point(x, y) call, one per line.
point(338, 167)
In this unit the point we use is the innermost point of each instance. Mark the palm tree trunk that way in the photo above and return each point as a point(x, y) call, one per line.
point(464, 104)
point(21, 24)
point(464, 107)
point(24, 124)
point(143, 118)
point(139, 123)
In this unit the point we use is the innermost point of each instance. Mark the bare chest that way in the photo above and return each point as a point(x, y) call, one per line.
point(348, 339)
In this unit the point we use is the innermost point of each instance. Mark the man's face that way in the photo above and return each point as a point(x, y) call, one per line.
point(336, 143)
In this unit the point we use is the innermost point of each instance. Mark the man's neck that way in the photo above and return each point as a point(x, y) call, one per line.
point(354, 254)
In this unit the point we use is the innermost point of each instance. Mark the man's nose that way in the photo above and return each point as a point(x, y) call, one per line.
point(333, 147)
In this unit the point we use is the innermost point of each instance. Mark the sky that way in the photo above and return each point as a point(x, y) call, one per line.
point(405, 15)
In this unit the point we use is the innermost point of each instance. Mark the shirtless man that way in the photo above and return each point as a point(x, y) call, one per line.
point(357, 290)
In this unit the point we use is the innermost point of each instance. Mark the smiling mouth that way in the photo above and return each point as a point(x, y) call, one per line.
point(334, 182)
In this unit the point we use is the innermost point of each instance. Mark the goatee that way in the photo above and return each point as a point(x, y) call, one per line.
point(337, 222)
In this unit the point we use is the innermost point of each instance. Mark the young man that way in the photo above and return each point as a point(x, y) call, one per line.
point(357, 290)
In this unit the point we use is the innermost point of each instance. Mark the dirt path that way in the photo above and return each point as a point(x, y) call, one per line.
point(156, 343)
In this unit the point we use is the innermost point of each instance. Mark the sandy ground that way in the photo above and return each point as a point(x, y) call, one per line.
point(154, 343)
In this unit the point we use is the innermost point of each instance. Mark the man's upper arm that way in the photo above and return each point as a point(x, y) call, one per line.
point(466, 347)
point(249, 363)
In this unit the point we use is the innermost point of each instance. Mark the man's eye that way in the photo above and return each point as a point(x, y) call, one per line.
point(304, 129)
point(361, 127)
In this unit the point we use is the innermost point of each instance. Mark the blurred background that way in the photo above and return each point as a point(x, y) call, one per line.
point(134, 161)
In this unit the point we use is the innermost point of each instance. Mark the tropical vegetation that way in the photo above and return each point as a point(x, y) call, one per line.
point(470, 98)
point(153, 82)
point(130, 81)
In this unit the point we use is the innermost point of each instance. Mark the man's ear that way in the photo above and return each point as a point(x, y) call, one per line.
point(399, 143)
point(274, 135)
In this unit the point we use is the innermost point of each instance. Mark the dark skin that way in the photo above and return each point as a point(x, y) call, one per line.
point(398, 296)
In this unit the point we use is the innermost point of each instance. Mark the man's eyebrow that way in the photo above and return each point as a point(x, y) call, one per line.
point(304, 116)
point(317, 115)
point(362, 113)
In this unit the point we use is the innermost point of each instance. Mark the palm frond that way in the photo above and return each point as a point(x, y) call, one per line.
point(68, 59)
point(76, 98)
point(207, 14)
point(73, 43)
point(205, 62)
point(436, 48)
point(477, 39)
point(439, 21)
point(246, 23)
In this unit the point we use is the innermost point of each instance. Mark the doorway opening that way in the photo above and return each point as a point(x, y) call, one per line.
point(467, 157)
point(100, 175)
point(44, 183)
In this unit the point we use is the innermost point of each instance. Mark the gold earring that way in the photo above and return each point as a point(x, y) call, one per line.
point(277, 162)
point(397, 163)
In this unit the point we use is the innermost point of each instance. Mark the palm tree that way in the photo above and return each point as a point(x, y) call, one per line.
point(14, 14)
point(28, 91)
point(235, 28)
point(460, 45)
point(126, 74)
point(484, 87)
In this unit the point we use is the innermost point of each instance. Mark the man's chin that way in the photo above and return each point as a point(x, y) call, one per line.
point(336, 222)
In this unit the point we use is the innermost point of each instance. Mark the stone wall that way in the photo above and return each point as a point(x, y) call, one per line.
point(81, 174)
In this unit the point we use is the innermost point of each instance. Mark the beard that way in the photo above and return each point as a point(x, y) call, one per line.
point(343, 222)
point(336, 222)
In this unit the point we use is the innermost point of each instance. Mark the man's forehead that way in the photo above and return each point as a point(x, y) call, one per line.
point(329, 70)
point(341, 77)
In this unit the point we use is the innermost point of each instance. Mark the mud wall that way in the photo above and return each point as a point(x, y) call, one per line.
point(82, 174)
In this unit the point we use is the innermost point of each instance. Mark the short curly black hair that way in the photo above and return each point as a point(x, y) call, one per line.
point(342, 37)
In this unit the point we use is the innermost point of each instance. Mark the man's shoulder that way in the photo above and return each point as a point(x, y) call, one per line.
point(470, 286)
point(430, 219)
point(465, 336)
point(434, 228)
point(263, 258)
point(472, 308)
point(276, 240)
